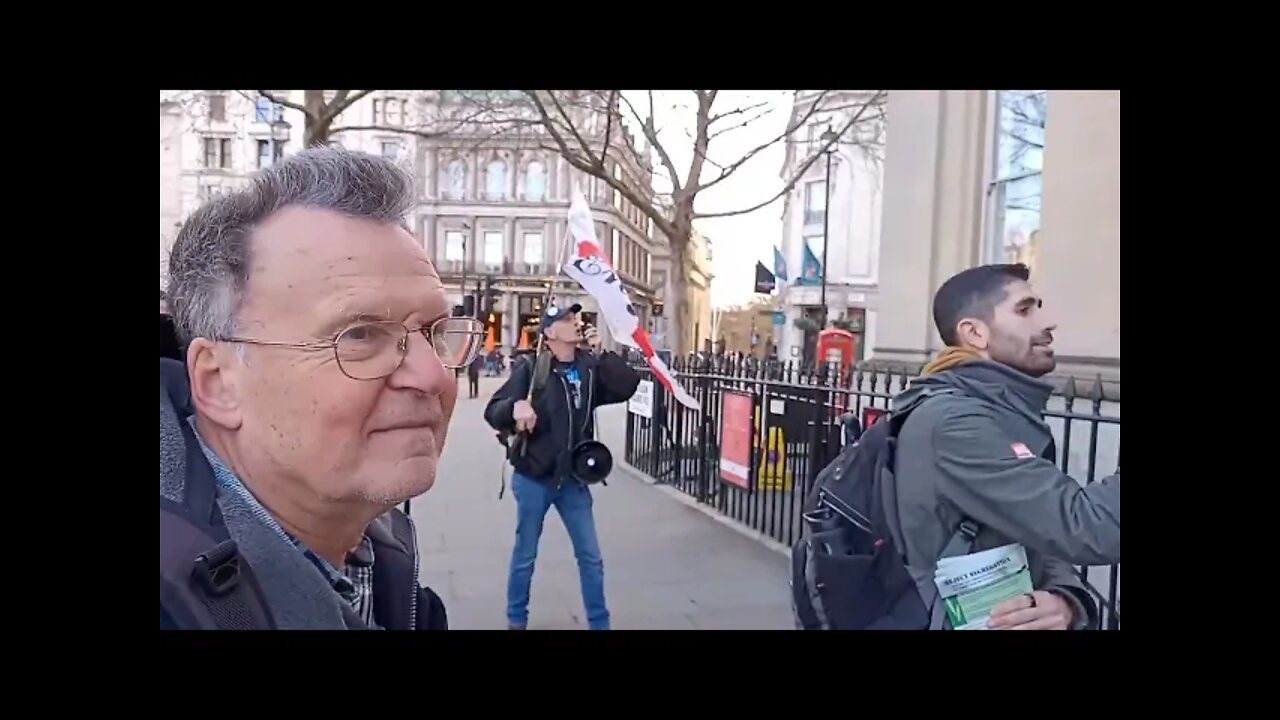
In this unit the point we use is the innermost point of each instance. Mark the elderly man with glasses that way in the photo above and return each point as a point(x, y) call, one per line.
point(316, 397)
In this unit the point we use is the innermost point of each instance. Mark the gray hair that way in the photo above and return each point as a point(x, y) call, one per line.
point(209, 263)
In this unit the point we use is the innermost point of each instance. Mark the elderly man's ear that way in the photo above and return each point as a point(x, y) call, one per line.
point(214, 373)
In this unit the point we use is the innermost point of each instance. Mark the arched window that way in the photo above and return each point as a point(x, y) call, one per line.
point(457, 180)
point(496, 180)
point(535, 182)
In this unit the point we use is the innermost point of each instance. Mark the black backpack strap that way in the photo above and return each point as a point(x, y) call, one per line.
point(966, 533)
point(204, 582)
point(807, 616)
point(962, 540)
point(515, 442)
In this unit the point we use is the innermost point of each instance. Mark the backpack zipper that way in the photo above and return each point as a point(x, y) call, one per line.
point(413, 587)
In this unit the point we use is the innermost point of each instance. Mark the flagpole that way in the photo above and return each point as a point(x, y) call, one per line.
point(564, 258)
point(546, 302)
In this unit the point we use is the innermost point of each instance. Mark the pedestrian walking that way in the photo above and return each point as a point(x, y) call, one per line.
point(559, 417)
point(317, 398)
point(976, 462)
point(491, 363)
point(473, 376)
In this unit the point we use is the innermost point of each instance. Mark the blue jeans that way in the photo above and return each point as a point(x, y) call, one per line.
point(573, 501)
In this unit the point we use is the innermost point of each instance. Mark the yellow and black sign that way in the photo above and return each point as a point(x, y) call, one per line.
point(772, 472)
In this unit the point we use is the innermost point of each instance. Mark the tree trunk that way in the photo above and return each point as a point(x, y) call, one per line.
point(318, 122)
point(678, 241)
point(679, 245)
point(680, 288)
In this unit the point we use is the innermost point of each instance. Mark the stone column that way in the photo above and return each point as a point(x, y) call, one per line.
point(431, 173)
point(511, 315)
point(509, 257)
point(935, 166)
point(1078, 264)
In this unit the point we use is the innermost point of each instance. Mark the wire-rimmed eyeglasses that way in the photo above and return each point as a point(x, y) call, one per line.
point(374, 350)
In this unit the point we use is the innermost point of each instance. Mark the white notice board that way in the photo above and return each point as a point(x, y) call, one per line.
point(642, 402)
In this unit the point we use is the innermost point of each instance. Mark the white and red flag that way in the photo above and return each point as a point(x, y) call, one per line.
point(588, 265)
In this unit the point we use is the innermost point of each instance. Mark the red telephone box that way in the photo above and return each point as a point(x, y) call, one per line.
point(839, 347)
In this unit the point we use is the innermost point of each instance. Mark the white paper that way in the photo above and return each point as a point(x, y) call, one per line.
point(972, 584)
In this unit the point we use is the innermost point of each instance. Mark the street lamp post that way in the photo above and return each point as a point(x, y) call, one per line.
point(277, 121)
point(828, 138)
point(463, 285)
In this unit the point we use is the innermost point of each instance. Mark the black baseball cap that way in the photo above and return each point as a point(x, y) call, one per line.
point(553, 313)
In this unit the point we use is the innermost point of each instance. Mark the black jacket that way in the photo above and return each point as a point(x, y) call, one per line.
point(294, 593)
point(169, 345)
point(609, 380)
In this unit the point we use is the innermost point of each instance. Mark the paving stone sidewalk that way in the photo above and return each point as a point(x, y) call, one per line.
point(667, 564)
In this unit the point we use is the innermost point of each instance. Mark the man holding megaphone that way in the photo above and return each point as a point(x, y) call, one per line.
point(545, 415)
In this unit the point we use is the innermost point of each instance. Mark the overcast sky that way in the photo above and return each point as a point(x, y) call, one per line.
point(738, 241)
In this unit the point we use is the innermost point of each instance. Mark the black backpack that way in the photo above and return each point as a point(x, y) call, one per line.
point(204, 582)
point(847, 569)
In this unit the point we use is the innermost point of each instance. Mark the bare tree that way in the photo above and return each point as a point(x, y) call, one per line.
point(319, 109)
point(1022, 125)
point(584, 127)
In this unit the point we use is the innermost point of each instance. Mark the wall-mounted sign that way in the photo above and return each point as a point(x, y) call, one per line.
point(735, 441)
point(641, 403)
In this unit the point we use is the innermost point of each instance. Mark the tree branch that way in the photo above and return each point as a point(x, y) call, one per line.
point(740, 125)
point(586, 148)
point(651, 134)
point(800, 172)
point(608, 125)
point(737, 111)
point(792, 127)
point(286, 103)
point(342, 101)
point(562, 146)
point(700, 141)
point(1026, 140)
point(399, 130)
point(587, 166)
point(472, 120)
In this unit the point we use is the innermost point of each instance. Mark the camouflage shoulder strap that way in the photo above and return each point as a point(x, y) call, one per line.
point(541, 372)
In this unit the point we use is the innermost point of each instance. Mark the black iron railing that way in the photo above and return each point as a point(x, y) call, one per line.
point(796, 433)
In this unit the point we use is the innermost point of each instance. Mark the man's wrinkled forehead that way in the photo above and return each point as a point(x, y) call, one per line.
point(319, 261)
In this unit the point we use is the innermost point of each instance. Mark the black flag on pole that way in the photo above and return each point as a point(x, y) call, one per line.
point(765, 281)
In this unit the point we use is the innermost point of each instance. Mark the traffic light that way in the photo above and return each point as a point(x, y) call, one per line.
point(491, 294)
point(657, 309)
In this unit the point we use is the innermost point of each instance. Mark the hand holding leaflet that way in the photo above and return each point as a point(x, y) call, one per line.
point(971, 585)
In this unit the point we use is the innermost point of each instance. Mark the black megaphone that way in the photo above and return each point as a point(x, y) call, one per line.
point(590, 462)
